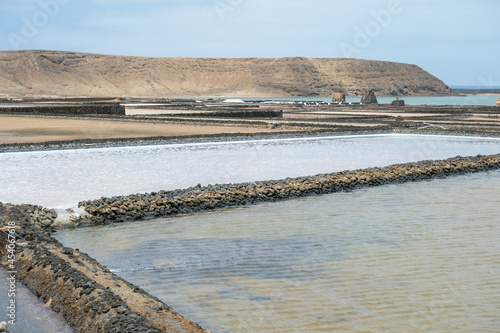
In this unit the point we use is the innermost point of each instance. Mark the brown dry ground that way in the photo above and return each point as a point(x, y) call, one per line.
point(167, 123)
point(38, 129)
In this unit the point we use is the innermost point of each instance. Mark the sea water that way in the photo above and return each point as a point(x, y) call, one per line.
point(415, 257)
point(482, 100)
point(60, 179)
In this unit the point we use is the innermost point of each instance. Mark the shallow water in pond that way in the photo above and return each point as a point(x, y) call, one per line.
point(416, 257)
point(63, 178)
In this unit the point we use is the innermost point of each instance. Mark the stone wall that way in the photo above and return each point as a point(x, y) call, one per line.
point(241, 114)
point(86, 294)
point(196, 199)
point(82, 109)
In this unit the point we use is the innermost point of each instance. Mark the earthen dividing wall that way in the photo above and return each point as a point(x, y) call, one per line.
point(91, 109)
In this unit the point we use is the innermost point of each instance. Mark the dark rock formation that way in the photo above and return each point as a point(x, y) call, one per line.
point(398, 102)
point(369, 97)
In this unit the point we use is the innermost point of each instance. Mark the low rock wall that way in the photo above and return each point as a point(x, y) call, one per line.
point(196, 199)
point(86, 294)
point(82, 109)
point(239, 114)
point(85, 304)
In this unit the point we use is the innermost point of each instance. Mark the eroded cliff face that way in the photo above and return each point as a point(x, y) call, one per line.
point(54, 73)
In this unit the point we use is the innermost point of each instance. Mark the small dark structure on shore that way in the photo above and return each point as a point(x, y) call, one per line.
point(369, 97)
point(338, 97)
point(398, 102)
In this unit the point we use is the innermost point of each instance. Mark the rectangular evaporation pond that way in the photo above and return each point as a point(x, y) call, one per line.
point(63, 178)
point(410, 257)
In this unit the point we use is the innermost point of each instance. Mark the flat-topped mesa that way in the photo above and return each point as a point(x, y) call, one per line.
point(69, 74)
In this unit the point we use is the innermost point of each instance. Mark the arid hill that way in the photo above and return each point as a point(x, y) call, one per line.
point(61, 74)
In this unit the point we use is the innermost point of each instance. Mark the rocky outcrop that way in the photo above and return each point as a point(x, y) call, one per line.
point(398, 102)
point(59, 74)
point(369, 97)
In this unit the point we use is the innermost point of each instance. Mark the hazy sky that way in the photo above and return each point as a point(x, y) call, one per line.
point(455, 40)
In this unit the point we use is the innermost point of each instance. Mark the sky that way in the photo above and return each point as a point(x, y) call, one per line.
point(456, 40)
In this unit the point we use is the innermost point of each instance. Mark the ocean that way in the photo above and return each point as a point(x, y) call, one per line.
point(483, 100)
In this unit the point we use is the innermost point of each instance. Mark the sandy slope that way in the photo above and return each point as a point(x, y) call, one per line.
point(54, 73)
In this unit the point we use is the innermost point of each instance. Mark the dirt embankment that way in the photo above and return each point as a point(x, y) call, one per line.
point(85, 293)
point(55, 73)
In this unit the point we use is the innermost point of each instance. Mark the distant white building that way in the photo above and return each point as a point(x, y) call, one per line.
point(234, 101)
point(498, 102)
